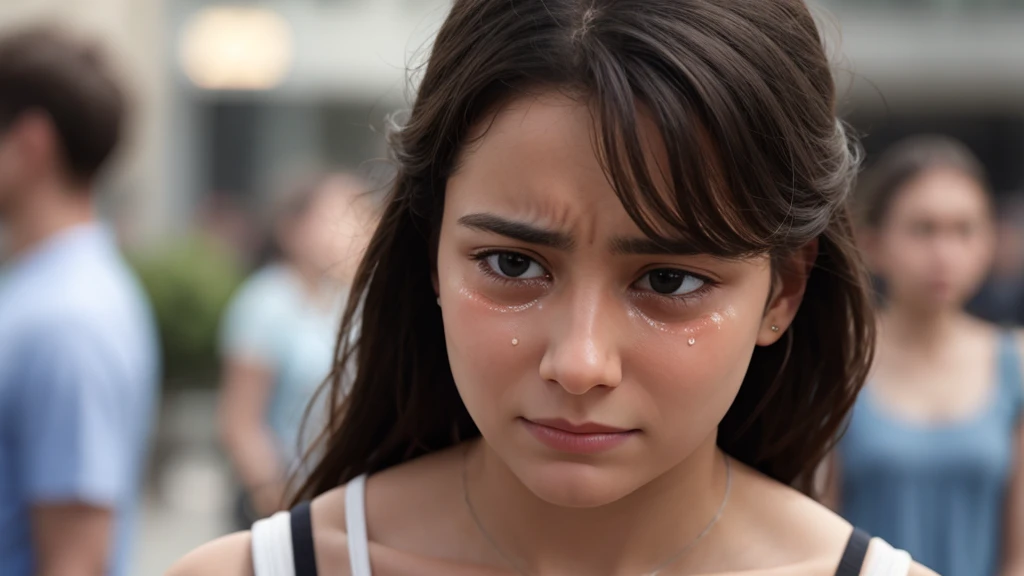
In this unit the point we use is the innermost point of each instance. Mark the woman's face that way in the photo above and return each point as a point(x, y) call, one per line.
point(936, 243)
point(560, 316)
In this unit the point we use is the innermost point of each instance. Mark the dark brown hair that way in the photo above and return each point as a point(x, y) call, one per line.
point(49, 70)
point(742, 94)
point(904, 162)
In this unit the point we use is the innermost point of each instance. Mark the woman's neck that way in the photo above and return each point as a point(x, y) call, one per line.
point(922, 329)
point(46, 211)
point(634, 534)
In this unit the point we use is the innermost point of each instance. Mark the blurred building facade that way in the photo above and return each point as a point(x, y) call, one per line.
point(264, 93)
point(339, 66)
point(949, 66)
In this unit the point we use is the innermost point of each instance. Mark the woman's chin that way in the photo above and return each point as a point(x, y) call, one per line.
point(576, 485)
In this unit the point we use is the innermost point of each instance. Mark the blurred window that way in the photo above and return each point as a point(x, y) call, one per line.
point(255, 147)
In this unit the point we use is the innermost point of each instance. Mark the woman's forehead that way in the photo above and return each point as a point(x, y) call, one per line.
point(553, 159)
point(538, 159)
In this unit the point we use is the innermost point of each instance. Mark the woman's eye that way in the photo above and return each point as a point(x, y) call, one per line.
point(513, 265)
point(670, 282)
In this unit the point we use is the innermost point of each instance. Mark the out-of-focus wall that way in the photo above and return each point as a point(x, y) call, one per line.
point(954, 67)
point(262, 91)
point(934, 55)
point(136, 196)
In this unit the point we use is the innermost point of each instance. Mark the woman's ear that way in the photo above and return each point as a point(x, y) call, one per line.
point(788, 293)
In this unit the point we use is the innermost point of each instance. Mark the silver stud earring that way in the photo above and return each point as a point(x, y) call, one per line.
point(515, 341)
point(775, 328)
point(691, 341)
point(438, 300)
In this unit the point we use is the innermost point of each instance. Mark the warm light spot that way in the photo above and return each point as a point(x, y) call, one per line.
point(237, 48)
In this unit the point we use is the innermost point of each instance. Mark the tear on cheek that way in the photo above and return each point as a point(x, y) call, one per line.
point(691, 330)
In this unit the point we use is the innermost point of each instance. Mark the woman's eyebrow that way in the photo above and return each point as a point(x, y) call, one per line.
point(521, 231)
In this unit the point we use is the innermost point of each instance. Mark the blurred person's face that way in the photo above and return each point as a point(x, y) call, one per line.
point(331, 236)
point(936, 243)
point(557, 313)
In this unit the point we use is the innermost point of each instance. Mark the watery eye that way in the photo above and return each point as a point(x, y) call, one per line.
point(669, 282)
point(514, 265)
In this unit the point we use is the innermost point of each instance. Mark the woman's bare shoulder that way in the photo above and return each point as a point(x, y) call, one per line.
point(919, 570)
point(232, 555)
point(398, 502)
point(801, 535)
point(227, 556)
point(328, 516)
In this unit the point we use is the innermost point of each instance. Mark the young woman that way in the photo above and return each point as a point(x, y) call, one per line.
point(279, 333)
point(612, 315)
point(930, 459)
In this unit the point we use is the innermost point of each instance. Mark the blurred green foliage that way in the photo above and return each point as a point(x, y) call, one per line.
point(189, 284)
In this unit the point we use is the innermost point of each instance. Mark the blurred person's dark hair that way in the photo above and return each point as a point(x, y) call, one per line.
point(50, 70)
point(905, 161)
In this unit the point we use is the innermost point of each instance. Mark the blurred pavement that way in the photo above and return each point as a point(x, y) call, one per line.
point(189, 503)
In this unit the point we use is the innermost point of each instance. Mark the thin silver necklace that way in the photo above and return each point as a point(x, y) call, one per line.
point(517, 566)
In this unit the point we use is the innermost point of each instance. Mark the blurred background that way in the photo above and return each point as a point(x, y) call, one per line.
point(234, 101)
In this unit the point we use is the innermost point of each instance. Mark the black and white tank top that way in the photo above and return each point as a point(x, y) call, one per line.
point(282, 545)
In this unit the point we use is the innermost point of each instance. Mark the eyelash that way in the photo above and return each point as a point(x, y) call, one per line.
point(681, 300)
point(481, 261)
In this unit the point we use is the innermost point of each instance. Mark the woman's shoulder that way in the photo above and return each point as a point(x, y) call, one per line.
point(227, 556)
point(256, 306)
point(232, 555)
point(919, 570)
point(273, 280)
point(793, 531)
point(394, 499)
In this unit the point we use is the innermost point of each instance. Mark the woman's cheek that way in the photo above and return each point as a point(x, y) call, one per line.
point(487, 347)
point(695, 366)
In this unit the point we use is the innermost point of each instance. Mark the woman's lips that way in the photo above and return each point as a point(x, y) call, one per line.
point(586, 438)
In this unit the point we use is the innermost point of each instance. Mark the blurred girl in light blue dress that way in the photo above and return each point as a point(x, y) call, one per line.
point(279, 331)
point(931, 461)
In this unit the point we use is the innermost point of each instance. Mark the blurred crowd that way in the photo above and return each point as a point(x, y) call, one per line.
point(92, 333)
point(82, 326)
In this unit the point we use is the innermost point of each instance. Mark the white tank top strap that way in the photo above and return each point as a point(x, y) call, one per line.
point(272, 546)
point(272, 553)
point(355, 527)
point(884, 560)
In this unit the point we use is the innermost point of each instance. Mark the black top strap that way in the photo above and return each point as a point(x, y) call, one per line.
point(303, 553)
point(853, 557)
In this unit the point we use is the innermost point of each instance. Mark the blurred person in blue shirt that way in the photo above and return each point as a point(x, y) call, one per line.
point(78, 354)
point(279, 332)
